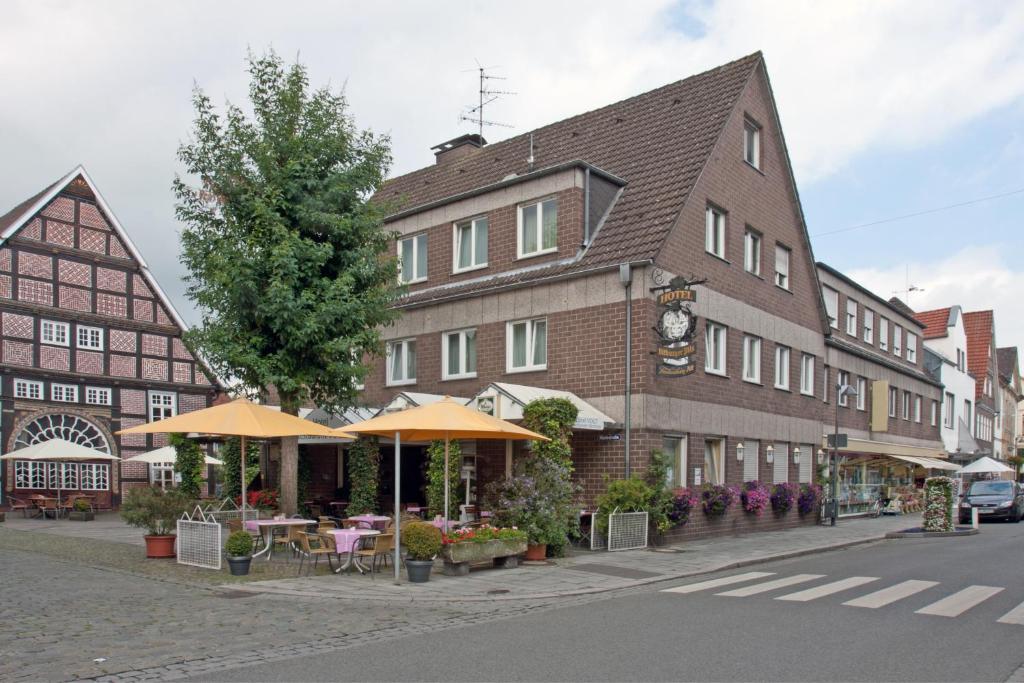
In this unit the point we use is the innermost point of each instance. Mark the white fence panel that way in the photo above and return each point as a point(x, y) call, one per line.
point(199, 541)
point(627, 530)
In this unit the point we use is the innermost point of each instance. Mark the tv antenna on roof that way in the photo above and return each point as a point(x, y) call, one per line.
point(908, 289)
point(475, 114)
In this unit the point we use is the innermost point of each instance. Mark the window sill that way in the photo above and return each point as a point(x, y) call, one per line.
point(452, 378)
point(470, 269)
point(757, 275)
point(786, 389)
point(720, 258)
point(755, 168)
point(532, 254)
point(753, 381)
point(716, 373)
point(401, 383)
point(787, 290)
point(808, 394)
point(412, 282)
point(532, 368)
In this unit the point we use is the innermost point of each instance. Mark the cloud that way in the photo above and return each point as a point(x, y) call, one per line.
point(976, 278)
point(108, 85)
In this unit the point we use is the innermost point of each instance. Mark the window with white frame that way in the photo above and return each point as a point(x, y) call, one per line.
point(751, 359)
point(917, 409)
point(807, 374)
point(782, 354)
point(911, 347)
point(869, 326)
point(894, 397)
point(905, 413)
point(752, 143)
point(162, 405)
point(752, 251)
point(675, 451)
point(458, 354)
point(714, 461)
point(470, 244)
point(862, 393)
point(781, 266)
point(935, 413)
point(831, 298)
point(401, 359)
point(883, 334)
point(751, 458)
point(780, 468)
point(54, 332)
point(69, 475)
point(843, 379)
point(30, 474)
point(90, 338)
point(65, 393)
point(96, 476)
point(714, 348)
point(967, 414)
point(162, 475)
point(24, 388)
point(714, 231)
point(538, 228)
point(527, 345)
point(897, 340)
point(412, 259)
point(851, 317)
point(988, 386)
point(97, 396)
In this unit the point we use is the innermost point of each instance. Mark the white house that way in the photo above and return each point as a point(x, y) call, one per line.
point(945, 348)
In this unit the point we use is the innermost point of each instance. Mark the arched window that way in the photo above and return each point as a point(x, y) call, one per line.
point(62, 426)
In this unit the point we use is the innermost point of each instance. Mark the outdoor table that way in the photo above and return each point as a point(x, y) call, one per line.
point(346, 540)
point(376, 521)
point(266, 528)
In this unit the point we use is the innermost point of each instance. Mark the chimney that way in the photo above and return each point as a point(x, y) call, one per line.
point(458, 148)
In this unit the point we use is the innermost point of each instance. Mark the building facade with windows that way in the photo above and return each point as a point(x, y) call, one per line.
point(892, 415)
point(1010, 392)
point(982, 363)
point(89, 344)
point(649, 258)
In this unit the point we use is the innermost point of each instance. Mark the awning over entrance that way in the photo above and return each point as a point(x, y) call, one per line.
point(867, 446)
point(506, 401)
point(413, 399)
point(333, 421)
point(928, 463)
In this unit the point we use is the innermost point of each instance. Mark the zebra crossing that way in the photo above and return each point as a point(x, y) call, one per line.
point(759, 583)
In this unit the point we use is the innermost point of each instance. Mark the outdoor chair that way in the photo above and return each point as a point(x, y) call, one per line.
point(48, 506)
point(19, 504)
point(326, 523)
point(382, 546)
point(236, 525)
point(291, 540)
point(313, 552)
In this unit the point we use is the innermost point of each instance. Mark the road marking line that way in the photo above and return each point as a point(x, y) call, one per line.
point(770, 585)
point(1014, 616)
point(715, 583)
point(828, 589)
point(891, 594)
point(956, 604)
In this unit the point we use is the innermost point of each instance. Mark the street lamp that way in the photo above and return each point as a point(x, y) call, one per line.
point(841, 390)
point(739, 451)
point(770, 454)
point(796, 455)
point(821, 455)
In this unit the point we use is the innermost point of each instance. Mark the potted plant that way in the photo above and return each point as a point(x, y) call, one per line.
point(81, 511)
point(479, 544)
point(239, 550)
point(422, 542)
point(157, 511)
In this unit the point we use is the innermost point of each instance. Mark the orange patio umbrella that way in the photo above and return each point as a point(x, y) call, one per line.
point(444, 419)
point(241, 418)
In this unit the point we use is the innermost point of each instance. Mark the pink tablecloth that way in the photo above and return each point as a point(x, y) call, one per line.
point(346, 538)
point(255, 524)
point(376, 521)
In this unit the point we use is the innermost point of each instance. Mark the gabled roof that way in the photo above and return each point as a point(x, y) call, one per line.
point(978, 326)
point(657, 142)
point(902, 307)
point(1007, 357)
point(936, 322)
point(17, 217)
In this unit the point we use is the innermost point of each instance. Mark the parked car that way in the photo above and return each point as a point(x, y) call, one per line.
point(994, 499)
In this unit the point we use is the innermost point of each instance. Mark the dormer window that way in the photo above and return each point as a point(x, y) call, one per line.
point(752, 143)
point(470, 244)
point(412, 258)
point(538, 228)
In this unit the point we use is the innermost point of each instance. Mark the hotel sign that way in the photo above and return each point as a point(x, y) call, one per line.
point(677, 325)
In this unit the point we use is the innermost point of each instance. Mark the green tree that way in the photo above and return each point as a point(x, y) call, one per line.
point(286, 257)
point(549, 465)
point(188, 463)
point(435, 478)
point(231, 455)
point(363, 476)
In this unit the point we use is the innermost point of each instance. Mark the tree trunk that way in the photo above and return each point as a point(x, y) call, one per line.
point(289, 464)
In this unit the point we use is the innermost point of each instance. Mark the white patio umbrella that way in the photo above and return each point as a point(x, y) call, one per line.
point(985, 464)
point(167, 455)
point(58, 450)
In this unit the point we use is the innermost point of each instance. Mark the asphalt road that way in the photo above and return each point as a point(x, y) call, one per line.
point(701, 635)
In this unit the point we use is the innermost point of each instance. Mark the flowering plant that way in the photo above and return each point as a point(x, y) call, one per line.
point(482, 534)
point(265, 499)
point(938, 504)
point(783, 496)
point(808, 499)
point(755, 497)
point(683, 502)
point(717, 498)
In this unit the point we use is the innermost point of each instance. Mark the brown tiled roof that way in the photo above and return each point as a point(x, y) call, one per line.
point(1007, 357)
point(658, 142)
point(978, 325)
point(935, 322)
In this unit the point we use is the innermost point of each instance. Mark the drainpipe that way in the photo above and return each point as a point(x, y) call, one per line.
point(626, 278)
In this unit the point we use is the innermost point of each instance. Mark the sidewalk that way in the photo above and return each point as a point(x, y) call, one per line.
point(597, 572)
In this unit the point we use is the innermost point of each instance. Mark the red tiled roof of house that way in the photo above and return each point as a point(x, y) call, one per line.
point(978, 326)
point(658, 142)
point(935, 322)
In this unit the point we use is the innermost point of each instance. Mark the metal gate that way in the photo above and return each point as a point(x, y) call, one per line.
point(627, 530)
point(199, 540)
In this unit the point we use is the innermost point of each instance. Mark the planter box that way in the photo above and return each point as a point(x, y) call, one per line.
point(81, 516)
point(457, 556)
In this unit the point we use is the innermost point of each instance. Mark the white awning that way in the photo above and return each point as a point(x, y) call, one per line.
point(506, 401)
point(412, 399)
point(927, 463)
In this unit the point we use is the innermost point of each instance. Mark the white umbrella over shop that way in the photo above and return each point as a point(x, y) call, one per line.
point(57, 450)
point(985, 464)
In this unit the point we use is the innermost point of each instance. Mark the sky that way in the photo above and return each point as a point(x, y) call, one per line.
point(889, 108)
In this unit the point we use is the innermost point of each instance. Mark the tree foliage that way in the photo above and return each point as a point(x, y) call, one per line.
point(435, 478)
point(231, 455)
point(363, 476)
point(188, 463)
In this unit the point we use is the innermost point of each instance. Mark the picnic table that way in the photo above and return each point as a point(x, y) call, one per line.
point(346, 541)
point(266, 528)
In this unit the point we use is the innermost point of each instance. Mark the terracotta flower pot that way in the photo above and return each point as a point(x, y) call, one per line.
point(536, 553)
point(159, 546)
